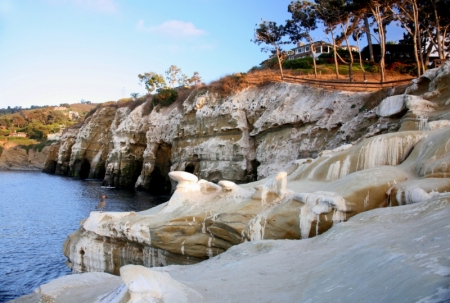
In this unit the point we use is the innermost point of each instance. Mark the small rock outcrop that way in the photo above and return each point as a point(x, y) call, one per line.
point(16, 157)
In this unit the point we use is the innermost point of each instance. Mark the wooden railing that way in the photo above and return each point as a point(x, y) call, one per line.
point(336, 84)
point(346, 85)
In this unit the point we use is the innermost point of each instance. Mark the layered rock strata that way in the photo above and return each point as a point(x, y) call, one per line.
point(240, 138)
point(394, 155)
point(15, 157)
point(399, 253)
point(203, 219)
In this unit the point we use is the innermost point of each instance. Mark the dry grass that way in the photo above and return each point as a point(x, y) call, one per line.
point(323, 74)
point(82, 107)
point(230, 84)
point(185, 92)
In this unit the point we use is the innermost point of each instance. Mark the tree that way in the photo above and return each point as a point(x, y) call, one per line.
point(183, 80)
point(381, 13)
point(18, 120)
point(271, 34)
point(332, 13)
point(406, 12)
point(152, 81)
point(356, 35)
point(172, 75)
point(303, 22)
point(195, 79)
point(134, 96)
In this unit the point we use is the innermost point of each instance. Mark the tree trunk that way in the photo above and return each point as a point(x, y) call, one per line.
point(336, 66)
point(350, 65)
point(279, 62)
point(369, 38)
point(438, 32)
point(377, 15)
point(313, 50)
point(360, 59)
point(419, 40)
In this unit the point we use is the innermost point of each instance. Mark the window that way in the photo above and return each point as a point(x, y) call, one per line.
point(307, 49)
point(318, 49)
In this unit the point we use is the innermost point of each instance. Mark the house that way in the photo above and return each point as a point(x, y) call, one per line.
point(394, 52)
point(304, 50)
point(18, 134)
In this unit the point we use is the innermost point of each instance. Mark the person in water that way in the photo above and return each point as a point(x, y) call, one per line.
point(102, 204)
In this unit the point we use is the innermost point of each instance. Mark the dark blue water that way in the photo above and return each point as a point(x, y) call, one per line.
point(37, 213)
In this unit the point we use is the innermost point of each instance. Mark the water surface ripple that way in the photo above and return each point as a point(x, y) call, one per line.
point(37, 213)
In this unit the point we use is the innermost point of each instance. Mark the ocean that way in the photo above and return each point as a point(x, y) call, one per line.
point(37, 213)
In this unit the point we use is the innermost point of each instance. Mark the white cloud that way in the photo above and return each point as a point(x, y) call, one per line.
point(172, 28)
point(104, 6)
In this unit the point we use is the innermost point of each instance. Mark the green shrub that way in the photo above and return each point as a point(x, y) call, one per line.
point(4, 132)
point(301, 63)
point(165, 97)
point(373, 68)
point(403, 68)
point(40, 146)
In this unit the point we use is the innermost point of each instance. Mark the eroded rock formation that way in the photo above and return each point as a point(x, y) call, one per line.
point(400, 254)
point(240, 138)
point(323, 165)
point(203, 219)
point(15, 157)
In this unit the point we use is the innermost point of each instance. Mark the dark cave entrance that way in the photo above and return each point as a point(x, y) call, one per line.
point(84, 169)
point(159, 184)
point(50, 167)
point(100, 171)
point(190, 168)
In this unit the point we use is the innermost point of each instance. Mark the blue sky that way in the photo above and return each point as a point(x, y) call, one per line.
point(62, 51)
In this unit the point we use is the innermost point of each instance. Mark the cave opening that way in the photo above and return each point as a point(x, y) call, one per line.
point(50, 167)
point(158, 183)
point(190, 167)
point(100, 171)
point(84, 169)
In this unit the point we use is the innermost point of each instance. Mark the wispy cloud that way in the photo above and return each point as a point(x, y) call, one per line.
point(103, 6)
point(172, 28)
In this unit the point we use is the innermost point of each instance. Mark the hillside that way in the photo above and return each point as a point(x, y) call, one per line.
point(26, 134)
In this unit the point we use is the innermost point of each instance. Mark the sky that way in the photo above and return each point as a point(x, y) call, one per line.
point(63, 51)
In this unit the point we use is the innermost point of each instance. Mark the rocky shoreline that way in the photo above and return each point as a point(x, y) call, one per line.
point(361, 179)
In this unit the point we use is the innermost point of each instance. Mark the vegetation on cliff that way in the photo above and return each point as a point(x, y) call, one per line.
point(426, 31)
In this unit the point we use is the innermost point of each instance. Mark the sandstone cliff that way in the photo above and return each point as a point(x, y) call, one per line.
point(15, 157)
point(395, 154)
point(240, 138)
